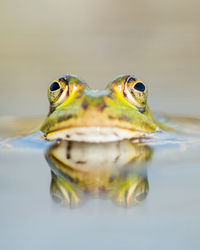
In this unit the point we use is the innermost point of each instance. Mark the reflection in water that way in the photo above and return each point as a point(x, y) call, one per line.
point(115, 171)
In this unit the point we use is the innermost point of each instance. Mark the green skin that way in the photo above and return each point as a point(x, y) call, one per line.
point(77, 109)
point(122, 105)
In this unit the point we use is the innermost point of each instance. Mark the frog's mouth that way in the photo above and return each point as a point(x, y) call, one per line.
point(95, 126)
point(95, 134)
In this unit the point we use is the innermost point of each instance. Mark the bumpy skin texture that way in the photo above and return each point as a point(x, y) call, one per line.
point(122, 105)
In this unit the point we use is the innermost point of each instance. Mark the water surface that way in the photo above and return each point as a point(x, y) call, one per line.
point(167, 217)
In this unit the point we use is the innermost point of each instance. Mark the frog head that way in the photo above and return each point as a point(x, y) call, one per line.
point(79, 113)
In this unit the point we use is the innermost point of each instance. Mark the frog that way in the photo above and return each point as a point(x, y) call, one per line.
point(120, 111)
point(87, 119)
point(114, 171)
point(79, 113)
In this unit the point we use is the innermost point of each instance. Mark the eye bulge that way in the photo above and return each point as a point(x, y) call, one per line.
point(58, 91)
point(136, 93)
point(136, 87)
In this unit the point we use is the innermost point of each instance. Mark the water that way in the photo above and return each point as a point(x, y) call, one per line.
point(167, 218)
point(98, 40)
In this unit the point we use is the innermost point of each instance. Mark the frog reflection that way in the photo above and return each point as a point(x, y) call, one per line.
point(115, 171)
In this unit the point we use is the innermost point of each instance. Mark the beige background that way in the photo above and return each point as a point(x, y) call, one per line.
point(157, 40)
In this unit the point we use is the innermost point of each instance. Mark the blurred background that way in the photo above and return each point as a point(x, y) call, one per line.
point(158, 41)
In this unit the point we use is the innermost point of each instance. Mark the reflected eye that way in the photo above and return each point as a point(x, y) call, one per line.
point(139, 87)
point(136, 93)
point(54, 86)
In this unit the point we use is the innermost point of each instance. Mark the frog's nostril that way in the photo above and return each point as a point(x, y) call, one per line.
point(54, 86)
point(139, 86)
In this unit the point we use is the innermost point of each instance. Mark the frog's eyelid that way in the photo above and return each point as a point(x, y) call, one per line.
point(131, 78)
point(64, 79)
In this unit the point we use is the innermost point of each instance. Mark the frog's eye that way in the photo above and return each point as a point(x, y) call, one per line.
point(54, 86)
point(136, 93)
point(139, 87)
point(58, 91)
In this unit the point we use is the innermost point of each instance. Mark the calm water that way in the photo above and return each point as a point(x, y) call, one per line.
point(159, 41)
point(167, 217)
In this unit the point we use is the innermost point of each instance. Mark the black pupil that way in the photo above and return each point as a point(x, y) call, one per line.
point(139, 86)
point(54, 86)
